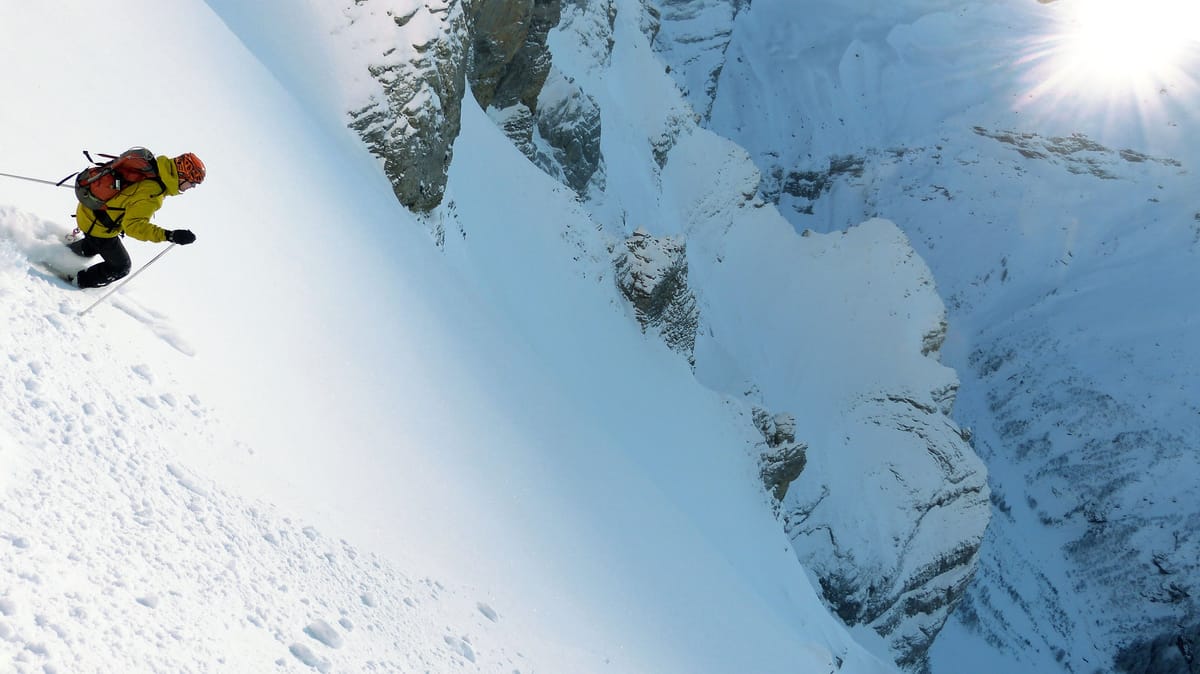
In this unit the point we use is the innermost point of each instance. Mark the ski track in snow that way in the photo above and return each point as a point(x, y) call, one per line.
point(158, 323)
point(114, 556)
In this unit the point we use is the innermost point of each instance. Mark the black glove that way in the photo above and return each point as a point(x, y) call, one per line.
point(180, 236)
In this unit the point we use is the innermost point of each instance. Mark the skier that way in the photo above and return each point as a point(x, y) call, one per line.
point(133, 207)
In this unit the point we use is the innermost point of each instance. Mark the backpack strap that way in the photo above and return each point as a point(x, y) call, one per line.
point(105, 220)
point(109, 157)
point(110, 223)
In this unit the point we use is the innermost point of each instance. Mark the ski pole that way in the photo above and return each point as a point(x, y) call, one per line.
point(127, 279)
point(58, 183)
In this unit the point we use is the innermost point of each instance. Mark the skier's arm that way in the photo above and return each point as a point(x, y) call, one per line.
point(137, 221)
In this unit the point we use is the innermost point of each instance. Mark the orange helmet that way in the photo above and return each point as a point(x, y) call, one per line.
point(189, 168)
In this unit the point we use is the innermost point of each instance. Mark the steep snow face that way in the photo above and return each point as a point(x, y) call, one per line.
point(1060, 225)
point(845, 333)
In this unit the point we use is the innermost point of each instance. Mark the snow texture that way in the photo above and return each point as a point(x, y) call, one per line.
point(313, 417)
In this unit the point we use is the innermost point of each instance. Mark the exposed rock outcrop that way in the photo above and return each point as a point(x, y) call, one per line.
point(652, 275)
point(804, 185)
point(569, 122)
point(1077, 153)
point(498, 49)
point(562, 137)
point(510, 61)
point(550, 118)
point(783, 460)
point(412, 123)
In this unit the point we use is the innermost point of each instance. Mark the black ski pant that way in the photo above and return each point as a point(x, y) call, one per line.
point(116, 262)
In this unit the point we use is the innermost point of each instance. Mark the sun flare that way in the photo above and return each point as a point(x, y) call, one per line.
point(1129, 42)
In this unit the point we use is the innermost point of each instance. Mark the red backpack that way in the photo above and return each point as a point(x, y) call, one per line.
point(95, 185)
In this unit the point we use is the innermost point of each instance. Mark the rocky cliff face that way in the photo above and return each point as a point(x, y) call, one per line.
point(568, 121)
point(652, 275)
point(496, 49)
point(411, 122)
point(551, 119)
point(509, 59)
point(784, 458)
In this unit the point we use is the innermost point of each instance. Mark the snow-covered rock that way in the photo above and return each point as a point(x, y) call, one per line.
point(652, 275)
point(561, 136)
point(421, 61)
point(568, 121)
point(891, 518)
point(693, 35)
point(1102, 478)
point(783, 459)
point(409, 117)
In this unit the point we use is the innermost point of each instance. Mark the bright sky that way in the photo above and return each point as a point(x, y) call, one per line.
point(1130, 43)
point(1132, 64)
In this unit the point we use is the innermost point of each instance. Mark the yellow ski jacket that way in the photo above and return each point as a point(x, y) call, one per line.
point(133, 207)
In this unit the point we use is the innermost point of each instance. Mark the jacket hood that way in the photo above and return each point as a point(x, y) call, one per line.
point(168, 175)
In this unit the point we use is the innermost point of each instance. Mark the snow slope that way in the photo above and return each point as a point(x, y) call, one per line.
point(116, 556)
point(313, 441)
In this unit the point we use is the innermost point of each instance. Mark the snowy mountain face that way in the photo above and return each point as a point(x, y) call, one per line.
point(667, 379)
point(857, 110)
point(884, 432)
point(1060, 229)
point(686, 223)
point(680, 225)
point(692, 38)
point(178, 464)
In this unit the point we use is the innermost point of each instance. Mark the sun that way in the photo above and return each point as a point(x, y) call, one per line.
point(1128, 43)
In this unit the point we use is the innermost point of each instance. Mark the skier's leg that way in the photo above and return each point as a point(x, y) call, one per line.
point(83, 247)
point(115, 266)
